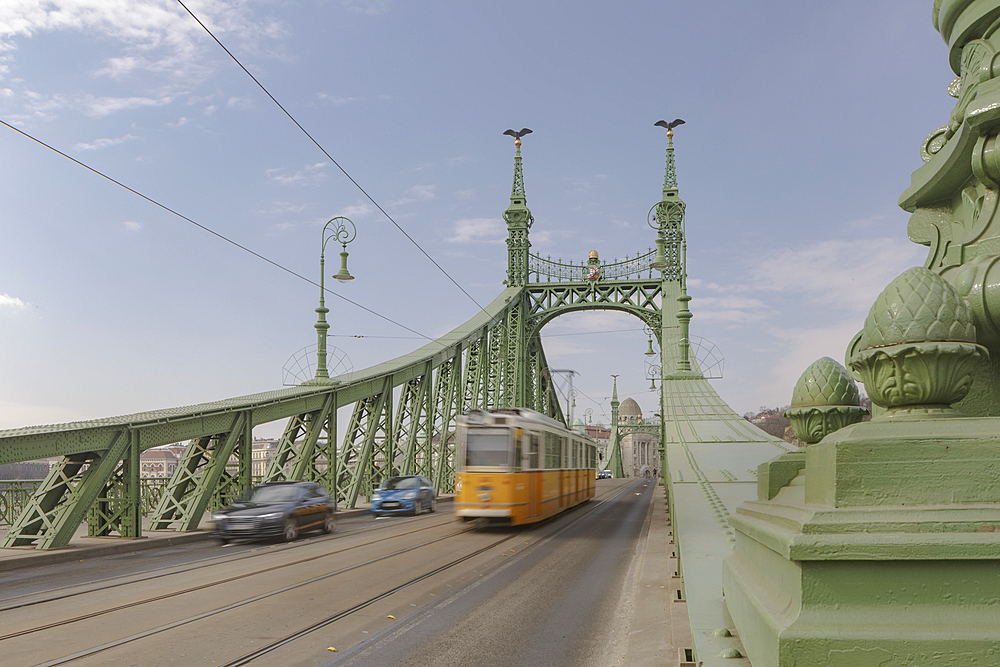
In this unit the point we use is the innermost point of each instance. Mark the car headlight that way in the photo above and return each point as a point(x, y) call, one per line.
point(219, 517)
point(410, 495)
point(270, 515)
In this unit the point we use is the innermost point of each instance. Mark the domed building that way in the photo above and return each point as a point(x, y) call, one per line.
point(640, 457)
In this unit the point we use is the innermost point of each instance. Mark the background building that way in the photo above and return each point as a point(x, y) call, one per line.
point(640, 456)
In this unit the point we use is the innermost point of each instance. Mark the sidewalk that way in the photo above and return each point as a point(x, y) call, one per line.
point(659, 634)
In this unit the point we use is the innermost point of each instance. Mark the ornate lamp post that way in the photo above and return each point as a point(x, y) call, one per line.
point(344, 231)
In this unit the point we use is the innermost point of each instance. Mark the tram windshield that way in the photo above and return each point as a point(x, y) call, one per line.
point(487, 447)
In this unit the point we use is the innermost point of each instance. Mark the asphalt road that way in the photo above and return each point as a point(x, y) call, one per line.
point(427, 590)
point(560, 603)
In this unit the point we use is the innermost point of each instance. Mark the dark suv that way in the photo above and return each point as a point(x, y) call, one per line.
point(276, 509)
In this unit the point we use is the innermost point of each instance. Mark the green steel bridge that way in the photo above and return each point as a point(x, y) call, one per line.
point(876, 544)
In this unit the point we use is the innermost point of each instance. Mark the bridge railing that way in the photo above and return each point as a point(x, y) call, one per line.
point(546, 270)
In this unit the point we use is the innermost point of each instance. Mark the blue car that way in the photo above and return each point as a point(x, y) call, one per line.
point(411, 494)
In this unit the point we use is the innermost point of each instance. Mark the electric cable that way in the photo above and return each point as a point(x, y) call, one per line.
point(330, 157)
point(210, 231)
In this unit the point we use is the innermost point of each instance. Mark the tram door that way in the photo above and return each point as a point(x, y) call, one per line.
point(533, 476)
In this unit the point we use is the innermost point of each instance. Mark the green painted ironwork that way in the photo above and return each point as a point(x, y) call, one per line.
point(403, 411)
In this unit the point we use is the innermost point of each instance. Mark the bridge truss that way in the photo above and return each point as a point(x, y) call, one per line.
point(402, 412)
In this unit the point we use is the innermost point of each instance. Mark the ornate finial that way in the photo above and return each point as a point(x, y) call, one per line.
point(918, 348)
point(519, 220)
point(670, 180)
point(824, 400)
point(517, 192)
point(593, 254)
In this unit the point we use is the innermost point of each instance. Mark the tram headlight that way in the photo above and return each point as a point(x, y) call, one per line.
point(485, 497)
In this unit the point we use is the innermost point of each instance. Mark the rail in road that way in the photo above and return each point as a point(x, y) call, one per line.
point(282, 604)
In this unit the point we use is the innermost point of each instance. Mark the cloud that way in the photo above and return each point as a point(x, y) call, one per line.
point(103, 106)
point(103, 143)
point(800, 347)
point(415, 194)
point(132, 226)
point(310, 174)
point(157, 37)
point(479, 230)
point(336, 101)
point(282, 207)
point(843, 274)
point(209, 110)
point(368, 7)
point(732, 310)
point(12, 302)
point(181, 122)
point(118, 68)
point(357, 211)
point(240, 103)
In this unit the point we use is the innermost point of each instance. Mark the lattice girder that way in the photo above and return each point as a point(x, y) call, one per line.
point(549, 300)
point(442, 424)
point(196, 478)
point(58, 506)
point(411, 423)
point(279, 468)
point(356, 470)
point(119, 507)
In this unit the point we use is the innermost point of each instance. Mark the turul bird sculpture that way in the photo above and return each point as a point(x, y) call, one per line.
point(524, 131)
point(671, 125)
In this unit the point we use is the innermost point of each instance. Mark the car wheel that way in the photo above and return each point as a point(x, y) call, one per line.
point(224, 540)
point(434, 504)
point(329, 524)
point(417, 508)
point(289, 530)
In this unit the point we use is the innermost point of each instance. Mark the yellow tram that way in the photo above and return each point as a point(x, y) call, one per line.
point(515, 466)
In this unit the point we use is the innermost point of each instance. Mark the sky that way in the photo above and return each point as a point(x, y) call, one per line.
point(803, 124)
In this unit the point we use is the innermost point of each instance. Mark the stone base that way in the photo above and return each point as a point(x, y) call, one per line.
point(858, 587)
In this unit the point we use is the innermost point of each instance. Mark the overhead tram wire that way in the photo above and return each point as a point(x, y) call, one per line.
point(330, 157)
point(577, 333)
point(210, 231)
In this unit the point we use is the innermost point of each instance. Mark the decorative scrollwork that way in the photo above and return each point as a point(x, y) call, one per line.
point(546, 270)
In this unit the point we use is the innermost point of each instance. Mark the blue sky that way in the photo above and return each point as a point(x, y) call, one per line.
point(804, 122)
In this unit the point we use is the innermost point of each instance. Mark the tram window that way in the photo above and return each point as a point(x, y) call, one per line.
point(487, 447)
point(517, 453)
point(551, 450)
point(563, 452)
point(533, 452)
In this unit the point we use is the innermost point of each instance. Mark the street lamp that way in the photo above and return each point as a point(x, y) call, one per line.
point(337, 228)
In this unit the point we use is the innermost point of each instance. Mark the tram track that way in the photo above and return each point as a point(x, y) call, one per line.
point(276, 645)
point(292, 637)
point(219, 582)
point(211, 561)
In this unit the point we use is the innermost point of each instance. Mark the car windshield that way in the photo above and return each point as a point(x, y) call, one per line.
point(394, 483)
point(275, 494)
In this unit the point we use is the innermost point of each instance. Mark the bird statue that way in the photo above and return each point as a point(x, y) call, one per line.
point(524, 131)
point(671, 125)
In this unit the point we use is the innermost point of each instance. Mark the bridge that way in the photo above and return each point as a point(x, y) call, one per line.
point(877, 544)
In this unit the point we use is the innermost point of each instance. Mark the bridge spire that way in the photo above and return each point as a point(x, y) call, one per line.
point(667, 218)
point(519, 220)
point(670, 177)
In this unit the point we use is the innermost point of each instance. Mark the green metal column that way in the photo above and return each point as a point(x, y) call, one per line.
point(615, 459)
